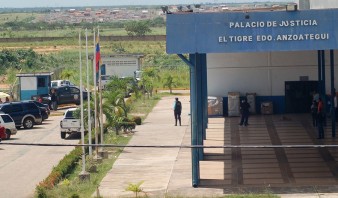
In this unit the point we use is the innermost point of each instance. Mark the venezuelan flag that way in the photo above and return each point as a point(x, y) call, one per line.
point(98, 55)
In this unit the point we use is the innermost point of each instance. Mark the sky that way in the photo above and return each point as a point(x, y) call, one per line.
point(80, 3)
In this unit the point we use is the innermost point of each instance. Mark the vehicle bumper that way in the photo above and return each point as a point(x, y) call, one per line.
point(71, 130)
point(13, 131)
point(38, 120)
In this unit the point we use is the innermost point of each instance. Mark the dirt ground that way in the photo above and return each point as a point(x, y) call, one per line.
point(44, 49)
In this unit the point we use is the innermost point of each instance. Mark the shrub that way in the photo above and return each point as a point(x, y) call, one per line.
point(41, 192)
point(128, 126)
point(66, 166)
point(137, 120)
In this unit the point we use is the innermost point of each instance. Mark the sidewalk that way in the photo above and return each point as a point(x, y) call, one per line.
point(154, 166)
point(167, 171)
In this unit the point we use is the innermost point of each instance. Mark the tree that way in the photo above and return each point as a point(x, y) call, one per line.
point(169, 82)
point(137, 28)
point(158, 22)
point(67, 73)
point(149, 75)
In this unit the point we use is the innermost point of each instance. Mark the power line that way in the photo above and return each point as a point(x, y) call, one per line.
point(167, 146)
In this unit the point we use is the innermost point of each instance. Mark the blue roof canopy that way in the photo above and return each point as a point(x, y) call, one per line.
point(228, 32)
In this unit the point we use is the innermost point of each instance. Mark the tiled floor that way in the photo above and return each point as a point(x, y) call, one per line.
point(257, 169)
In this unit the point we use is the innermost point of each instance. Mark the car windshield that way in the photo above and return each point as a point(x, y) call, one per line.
point(69, 115)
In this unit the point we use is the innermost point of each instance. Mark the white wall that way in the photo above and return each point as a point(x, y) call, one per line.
point(262, 73)
point(321, 4)
point(125, 69)
point(317, 4)
point(28, 83)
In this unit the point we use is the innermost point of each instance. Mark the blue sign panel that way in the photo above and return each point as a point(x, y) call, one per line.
point(252, 31)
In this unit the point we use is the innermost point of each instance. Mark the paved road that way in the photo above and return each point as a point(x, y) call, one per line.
point(23, 167)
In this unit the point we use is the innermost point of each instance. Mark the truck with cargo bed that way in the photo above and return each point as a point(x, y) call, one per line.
point(69, 124)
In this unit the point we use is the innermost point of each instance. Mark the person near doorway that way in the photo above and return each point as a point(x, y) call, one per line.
point(320, 119)
point(177, 111)
point(314, 109)
point(244, 109)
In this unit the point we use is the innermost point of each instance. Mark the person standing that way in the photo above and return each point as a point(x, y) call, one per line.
point(314, 110)
point(177, 111)
point(320, 119)
point(244, 109)
point(53, 98)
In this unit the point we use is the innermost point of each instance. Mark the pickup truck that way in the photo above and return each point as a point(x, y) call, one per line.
point(69, 124)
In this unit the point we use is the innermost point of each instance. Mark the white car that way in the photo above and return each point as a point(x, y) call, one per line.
point(69, 124)
point(7, 122)
point(59, 83)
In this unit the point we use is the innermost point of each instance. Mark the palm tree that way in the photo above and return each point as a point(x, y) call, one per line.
point(113, 110)
point(122, 88)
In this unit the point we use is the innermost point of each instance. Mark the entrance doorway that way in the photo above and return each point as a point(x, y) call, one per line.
point(298, 96)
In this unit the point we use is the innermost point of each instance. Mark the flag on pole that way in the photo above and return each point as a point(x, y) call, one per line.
point(98, 54)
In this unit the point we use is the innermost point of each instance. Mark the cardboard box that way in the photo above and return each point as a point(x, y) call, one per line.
point(266, 108)
point(215, 106)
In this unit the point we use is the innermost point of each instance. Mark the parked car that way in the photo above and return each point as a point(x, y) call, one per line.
point(7, 121)
point(69, 124)
point(3, 134)
point(25, 114)
point(69, 95)
point(45, 111)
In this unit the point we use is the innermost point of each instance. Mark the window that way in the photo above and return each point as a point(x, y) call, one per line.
point(69, 115)
point(64, 91)
point(74, 90)
point(6, 108)
point(54, 84)
point(41, 82)
point(6, 118)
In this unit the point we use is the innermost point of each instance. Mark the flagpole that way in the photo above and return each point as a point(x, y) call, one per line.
point(88, 99)
point(83, 175)
point(95, 101)
point(100, 88)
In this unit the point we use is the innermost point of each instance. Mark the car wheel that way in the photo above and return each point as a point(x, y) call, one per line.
point(28, 123)
point(8, 134)
point(63, 135)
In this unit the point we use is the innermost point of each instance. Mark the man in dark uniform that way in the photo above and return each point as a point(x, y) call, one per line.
point(244, 108)
point(177, 111)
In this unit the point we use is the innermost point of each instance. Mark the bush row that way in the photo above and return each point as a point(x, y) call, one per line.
point(65, 166)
